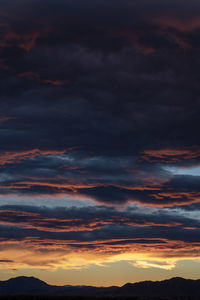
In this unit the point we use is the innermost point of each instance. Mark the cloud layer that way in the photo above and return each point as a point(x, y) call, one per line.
point(99, 102)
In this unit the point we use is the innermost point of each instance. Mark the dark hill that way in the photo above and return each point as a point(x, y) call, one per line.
point(23, 285)
point(175, 287)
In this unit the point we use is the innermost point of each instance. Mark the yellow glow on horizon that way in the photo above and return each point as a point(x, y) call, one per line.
point(15, 256)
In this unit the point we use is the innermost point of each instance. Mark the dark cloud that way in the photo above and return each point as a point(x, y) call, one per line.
point(88, 218)
point(99, 229)
point(108, 180)
point(100, 101)
point(108, 234)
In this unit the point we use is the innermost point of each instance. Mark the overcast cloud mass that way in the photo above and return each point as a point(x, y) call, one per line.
point(99, 130)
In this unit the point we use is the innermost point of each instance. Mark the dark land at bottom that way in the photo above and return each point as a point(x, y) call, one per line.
point(29, 297)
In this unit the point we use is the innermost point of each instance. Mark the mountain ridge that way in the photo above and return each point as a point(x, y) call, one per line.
point(176, 286)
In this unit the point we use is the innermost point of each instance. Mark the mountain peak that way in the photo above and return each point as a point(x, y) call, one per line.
point(26, 279)
point(173, 279)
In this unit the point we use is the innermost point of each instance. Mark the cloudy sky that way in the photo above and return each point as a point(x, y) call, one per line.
point(100, 148)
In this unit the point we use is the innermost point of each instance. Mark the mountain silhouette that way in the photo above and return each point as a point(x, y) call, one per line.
point(23, 285)
point(175, 287)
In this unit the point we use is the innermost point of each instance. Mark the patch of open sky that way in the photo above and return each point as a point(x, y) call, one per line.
point(44, 201)
point(171, 211)
point(193, 171)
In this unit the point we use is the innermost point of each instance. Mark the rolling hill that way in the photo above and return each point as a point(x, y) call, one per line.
point(175, 287)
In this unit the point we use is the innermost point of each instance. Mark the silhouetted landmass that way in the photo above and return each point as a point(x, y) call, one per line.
point(33, 288)
point(28, 297)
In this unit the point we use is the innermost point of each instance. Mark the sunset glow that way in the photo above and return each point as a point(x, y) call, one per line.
point(100, 149)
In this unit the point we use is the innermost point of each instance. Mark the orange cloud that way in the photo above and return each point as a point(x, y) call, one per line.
point(6, 119)
point(179, 40)
point(9, 157)
point(34, 76)
point(136, 40)
point(185, 197)
point(47, 254)
point(24, 40)
point(176, 28)
point(73, 185)
point(51, 224)
point(185, 25)
point(80, 189)
point(171, 155)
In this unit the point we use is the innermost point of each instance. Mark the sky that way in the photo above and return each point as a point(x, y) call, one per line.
point(100, 148)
